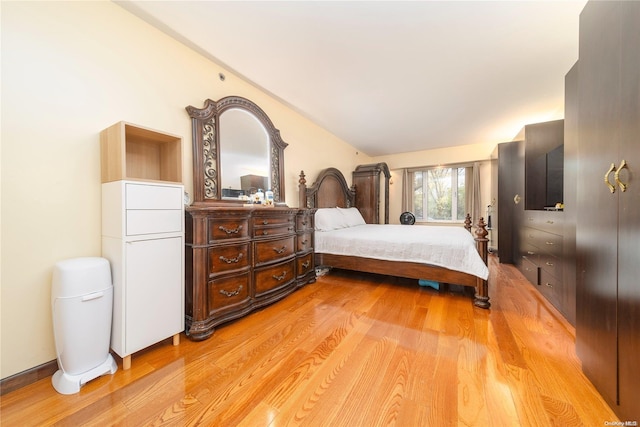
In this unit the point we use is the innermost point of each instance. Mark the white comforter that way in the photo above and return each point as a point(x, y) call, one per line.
point(450, 247)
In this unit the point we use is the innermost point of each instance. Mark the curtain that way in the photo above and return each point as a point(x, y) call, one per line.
point(473, 196)
point(407, 187)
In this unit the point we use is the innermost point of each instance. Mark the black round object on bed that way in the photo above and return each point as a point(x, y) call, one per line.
point(407, 218)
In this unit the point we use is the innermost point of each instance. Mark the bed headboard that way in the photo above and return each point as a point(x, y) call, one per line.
point(329, 190)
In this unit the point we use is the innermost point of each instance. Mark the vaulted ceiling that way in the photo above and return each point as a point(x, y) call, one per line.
point(391, 76)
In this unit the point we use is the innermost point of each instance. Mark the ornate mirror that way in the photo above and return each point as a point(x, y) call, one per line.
point(236, 151)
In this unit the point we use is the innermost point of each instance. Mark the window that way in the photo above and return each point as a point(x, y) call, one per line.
point(439, 194)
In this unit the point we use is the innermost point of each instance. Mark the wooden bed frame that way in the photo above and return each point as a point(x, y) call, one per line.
point(331, 190)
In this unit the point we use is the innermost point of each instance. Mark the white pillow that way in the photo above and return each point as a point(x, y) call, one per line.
point(352, 217)
point(327, 219)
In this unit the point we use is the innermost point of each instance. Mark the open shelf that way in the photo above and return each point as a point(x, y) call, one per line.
point(129, 151)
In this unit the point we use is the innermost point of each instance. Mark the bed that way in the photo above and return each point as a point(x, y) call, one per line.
point(450, 255)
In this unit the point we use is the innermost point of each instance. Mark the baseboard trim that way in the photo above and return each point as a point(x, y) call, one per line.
point(30, 376)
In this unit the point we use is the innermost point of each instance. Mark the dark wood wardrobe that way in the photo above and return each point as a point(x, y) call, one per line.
point(372, 183)
point(608, 219)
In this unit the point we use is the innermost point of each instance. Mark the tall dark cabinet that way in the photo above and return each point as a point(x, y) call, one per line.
point(510, 198)
point(608, 220)
point(372, 183)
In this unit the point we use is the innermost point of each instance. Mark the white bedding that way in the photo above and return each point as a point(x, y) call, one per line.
point(450, 247)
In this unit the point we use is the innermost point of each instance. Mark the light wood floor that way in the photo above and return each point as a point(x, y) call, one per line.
point(349, 350)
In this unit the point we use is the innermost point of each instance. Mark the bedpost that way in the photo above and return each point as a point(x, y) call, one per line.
point(302, 191)
point(482, 288)
point(467, 223)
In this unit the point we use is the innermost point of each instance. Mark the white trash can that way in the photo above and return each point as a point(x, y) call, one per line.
point(82, 306)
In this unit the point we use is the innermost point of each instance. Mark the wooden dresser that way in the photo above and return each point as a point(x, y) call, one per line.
point(239, 259)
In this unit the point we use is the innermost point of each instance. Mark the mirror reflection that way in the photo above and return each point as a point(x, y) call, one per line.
point(244, 146)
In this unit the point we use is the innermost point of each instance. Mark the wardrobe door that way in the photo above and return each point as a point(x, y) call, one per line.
point(597, 223)
point(510, 199)
point(629, 215)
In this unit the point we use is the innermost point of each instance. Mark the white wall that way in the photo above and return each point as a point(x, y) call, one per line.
point(69, 70)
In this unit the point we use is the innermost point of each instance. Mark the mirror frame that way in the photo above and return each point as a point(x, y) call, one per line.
point(206, 149)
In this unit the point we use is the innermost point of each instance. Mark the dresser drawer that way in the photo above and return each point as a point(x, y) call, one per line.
point(304, 264)
point(147, 196)
point(273, 231)
point(271, 250)
point(140, 222)
point(274, 277)
point(228, 292)
point(550, 288)
point(550, 244)
point(272, 220)
point(228, 228)
point(531, 253)
point(304, 241)
point(227, 258)
point(551, 265)
point(545, 221)
point(304, 222)
point(530, 271)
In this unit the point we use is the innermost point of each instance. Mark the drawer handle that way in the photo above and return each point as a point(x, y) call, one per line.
point(304, 223)
point(230, 230)
point(548, 285)
point(281, 277)
point(231, 294)
point(550, 264)
point(306, 264)
point(549, 243)
point(549, 221)
point(265, 232)
point(531, 253)
point(232, 260)
point(265, 222)
point(304, 242)
point(281, 250)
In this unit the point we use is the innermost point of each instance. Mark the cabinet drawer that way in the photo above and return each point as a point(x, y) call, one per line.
point(551, 265)
point(273, 220)
point(228, 292)
point(304, 264)
point(304, 222)
point(228, 228)
point(304, 241)
point(546, 221)
point(550, 288)
point(280, 230)
point(275, 277)
point(530, 271)
point(550, 244)
point(153, 221)
point(271, 250)
point(227, 258)
point(146, 196)
point(531, 253)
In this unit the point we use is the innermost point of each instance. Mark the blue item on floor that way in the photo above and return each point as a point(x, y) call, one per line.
point(429, 283)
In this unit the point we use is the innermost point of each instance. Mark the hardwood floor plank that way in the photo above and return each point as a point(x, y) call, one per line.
point(350, 349)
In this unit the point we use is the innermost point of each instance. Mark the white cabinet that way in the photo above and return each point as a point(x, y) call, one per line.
point(143, 238)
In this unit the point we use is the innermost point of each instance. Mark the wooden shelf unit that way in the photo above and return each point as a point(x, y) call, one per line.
point(133, 152)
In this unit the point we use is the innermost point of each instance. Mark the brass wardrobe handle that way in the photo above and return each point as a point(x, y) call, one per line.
point(516, 199)
point(606, 177)
point(622, 185)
